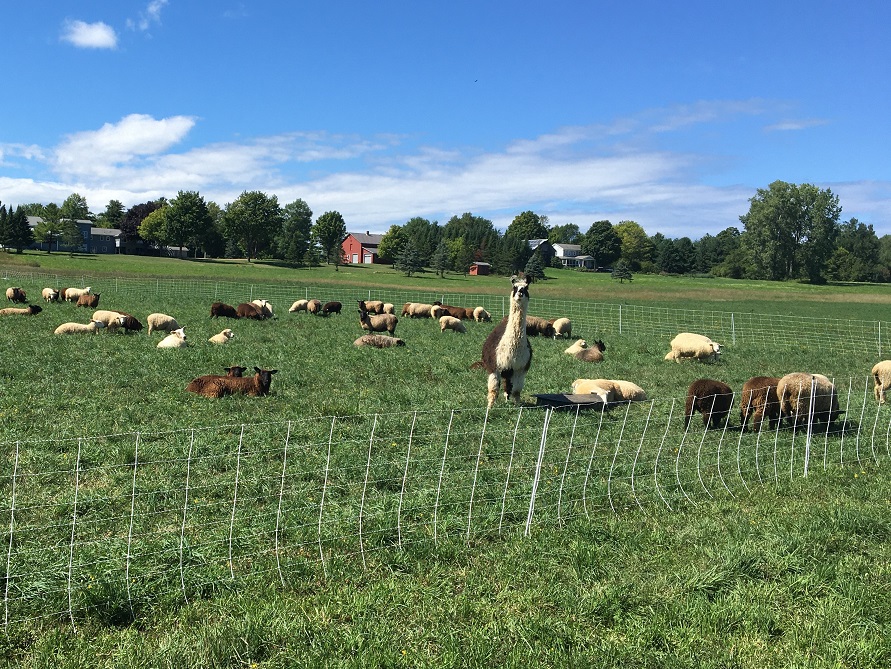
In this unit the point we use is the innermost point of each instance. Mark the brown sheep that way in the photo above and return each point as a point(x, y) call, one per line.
point(89, 300)
point(455, 312)
point(16, 295)
point(253, 386)
point(222, 310)
point(711, 398)
point(314, 306)
point(331, 308)
point(251, 310)
point(196, 384)
point(759, 400)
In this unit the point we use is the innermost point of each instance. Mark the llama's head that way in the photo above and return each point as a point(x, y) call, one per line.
point(519, 292)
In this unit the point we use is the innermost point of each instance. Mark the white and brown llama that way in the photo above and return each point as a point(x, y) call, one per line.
point(506, 351)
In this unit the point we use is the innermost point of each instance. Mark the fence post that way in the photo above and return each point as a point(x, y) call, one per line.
point(620, 319)
point(880, 339)
point(732, 329)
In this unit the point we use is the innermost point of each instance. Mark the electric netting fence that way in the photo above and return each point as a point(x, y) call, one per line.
point(108, 525)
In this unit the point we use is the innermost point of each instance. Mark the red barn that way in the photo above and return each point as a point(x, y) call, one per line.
point(361, 248)
point(480, 268)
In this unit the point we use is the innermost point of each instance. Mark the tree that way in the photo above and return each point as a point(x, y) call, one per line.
point(534, 270)
point(621, 272)
point(329, 232)
point(17, 233)
point(602, 243)
point(132, 219)
point(70, 236)
point(461, 254)
point(75, 208)
point(511, 256)
point(857, 257)
point(424, 234)
point(568, 233)
point(478, 232)
point(295, 237)
point(440, 261)
point(253, 221)
point(188, 220)
point(636, 246)
point(112, 216)
point(153, 228)
point(528, 225)
point(392, 244)
point(409, 260)
point(47, 232)
point(790, 231)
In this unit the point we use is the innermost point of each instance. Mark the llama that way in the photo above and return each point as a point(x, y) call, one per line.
point(506, 351)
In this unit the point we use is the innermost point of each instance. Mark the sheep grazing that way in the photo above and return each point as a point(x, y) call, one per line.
point(454, 312)
point(711, 398)
point(253, 386)
point(16, 295)
point(389, 308)
point(161, 323)
point(451, 323)
point(299, 305)
point(372, 306)
point(507, 353)
point(536, 326)
point(252, 311)
point(329, 308)
point(480, 315)
point(794, 394)
point(30, 310)
point(80, 328)
point(580, 351)
point(378, 322)
point(759, 400)
point(314, 306)
point(881, 374)
point(265, 305)
point(436, 311)
point(616, 390)
point(90, 300)
point(689, 345)
point(222, 310)
point(199, 382)
point(176, 339)
point(562, 327)
point(72, 294)
point(378, 341)
point(50, 294)
point(222, 337)
point(418, 310)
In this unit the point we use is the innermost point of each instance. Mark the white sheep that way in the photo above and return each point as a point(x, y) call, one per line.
point(50, 295)
point(71, 294)
point(112, 319)
point(616, 390)
point(161, 322)
point(417, 310)
point(794, 393)
point(222, 337)
point(176, 339)
point(688, 345)
point(881, 373)
point(562, 327)
point(480, 315)
point(580, 351)
point(451, 323)
point(299, 305)
point(265, 305)
point(588, 387)
point(80, 328)
point(389, 308)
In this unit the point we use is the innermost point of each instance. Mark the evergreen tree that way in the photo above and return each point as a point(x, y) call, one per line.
point(19, 234)
point(409, 260)
point(621, 272)
point(440, 261)
point(4, 228)
point(534, 270)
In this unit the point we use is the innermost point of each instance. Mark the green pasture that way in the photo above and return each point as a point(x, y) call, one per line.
point(785, 571)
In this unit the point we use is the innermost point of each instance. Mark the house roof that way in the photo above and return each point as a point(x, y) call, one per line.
point(112, 232)
point(535, 243)
point(480, 263)
point(568, 247)
point(367, 238)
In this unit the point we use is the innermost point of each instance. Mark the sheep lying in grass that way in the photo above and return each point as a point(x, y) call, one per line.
point(196, 384)
point(222, 310)
point(759, 400)
point(616, 390)
point(562, 327)
point(176, 339)
point(711, 398)
point(50, 294)
point(580, 351)
point(222, 337)
point(588, 387)
point(16, 295)
point(881, 374)
point(378, 322)
point(378, 341)
point(72, 294)
point(161, 323)
point(794, 394)
point(90, 300)
point(115, 320)
point(451, 323)
point(480, 315)
point(299, 305)
point(80, 328)
point(536, 326)
point(688, 345)
point(253, 386)
point(30, 310)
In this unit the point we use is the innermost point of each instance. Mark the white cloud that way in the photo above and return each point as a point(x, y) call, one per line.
point(149, 17)
point(84, 35)
point(787, 126)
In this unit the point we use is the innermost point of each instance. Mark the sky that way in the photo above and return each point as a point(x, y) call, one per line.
point(671, 114)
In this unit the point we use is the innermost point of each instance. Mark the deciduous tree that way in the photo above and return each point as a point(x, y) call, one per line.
point(253, 221)
point(329, 232)
point(602, 243)
point(295, 237)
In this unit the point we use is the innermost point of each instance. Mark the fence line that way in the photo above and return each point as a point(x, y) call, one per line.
point(113, 523)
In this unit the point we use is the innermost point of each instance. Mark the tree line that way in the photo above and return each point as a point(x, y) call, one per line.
point(791, 231)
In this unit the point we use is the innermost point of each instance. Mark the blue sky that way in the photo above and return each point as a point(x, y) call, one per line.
point(669, 114)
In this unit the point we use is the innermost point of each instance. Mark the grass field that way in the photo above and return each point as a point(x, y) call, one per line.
point(791, 572)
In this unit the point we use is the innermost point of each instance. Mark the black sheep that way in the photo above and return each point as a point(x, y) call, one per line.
point(711, 398)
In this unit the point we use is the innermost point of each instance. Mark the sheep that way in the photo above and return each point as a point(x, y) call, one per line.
point(16, 295)
point(881, 374)
point(201, 381)
point(329, 308)
point(222, 337)
point(794, 394)
point(580, 351)
point(378, 322)
point(89, 300)
point(117, 319)
point(616, 390)
point(79, 328)
point(389, 308)
point(265, 305)
point(130, 322)
point(50, 294)
point(562, 327)
point(695, 346)
point(588, 387)
point(222, 310)
point(176, 339)
point(759, 400)
point(161, 322)
point(451, 323)
point(373, 306)
point(418, 310)
point(30, 310)
point(253, 386)
point(299, 305)
point(378, 341)
point(454, 312)
point(252, 311)
point(536, 326)
point(436, 312)
point(480, 315)
point(314, 306)
point(711, 398)
point(71, 294)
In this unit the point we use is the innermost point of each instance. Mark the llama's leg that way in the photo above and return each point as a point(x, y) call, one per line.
point(519, 378)
point(494, 382)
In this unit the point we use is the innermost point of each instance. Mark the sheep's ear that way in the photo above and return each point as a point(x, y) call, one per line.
point(273, 371)
point(257, 369)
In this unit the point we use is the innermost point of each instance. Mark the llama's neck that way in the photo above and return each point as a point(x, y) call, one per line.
point(514, 334)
